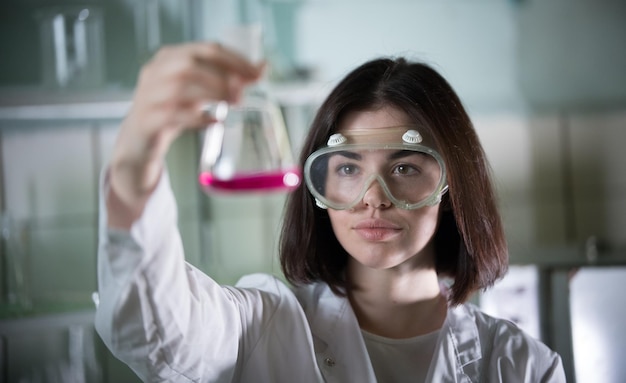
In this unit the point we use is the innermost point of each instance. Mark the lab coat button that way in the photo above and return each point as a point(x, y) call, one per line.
point(330, 362)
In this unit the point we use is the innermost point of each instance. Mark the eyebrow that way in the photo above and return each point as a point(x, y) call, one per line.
point(348, 154)
point(393, 156)
point(403, 153)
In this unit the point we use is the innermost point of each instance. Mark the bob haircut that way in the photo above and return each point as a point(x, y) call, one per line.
point(470, 245)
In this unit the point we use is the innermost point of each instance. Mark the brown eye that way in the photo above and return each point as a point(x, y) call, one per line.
point(405, 170)
point(347, 170)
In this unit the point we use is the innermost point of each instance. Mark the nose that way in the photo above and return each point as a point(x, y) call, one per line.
point(375, 196)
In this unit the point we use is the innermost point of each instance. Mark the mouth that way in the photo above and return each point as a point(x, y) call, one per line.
point(377, 230)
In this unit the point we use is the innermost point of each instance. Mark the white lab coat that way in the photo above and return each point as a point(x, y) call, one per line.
point(172, 323)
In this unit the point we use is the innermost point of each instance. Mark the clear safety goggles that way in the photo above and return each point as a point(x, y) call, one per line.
point(411, 174)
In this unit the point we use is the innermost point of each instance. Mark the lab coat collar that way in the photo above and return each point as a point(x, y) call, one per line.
point(458, 353)
point(337, 339)
point(341, 352)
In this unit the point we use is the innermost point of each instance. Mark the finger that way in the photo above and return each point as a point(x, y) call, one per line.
point(165, 122)
point(217, 54)
point(236, 71)
point(215, 110)
point(186, 77)
point(170, 95)
point(192, 116)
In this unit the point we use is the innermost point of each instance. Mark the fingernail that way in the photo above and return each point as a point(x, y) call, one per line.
point(215, 110)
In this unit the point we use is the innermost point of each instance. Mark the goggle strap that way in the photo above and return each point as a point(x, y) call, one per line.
point(320, 204)
point(437, 199)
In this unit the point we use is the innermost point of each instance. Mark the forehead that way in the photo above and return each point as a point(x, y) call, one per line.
point(381, 118)
point(381, 125)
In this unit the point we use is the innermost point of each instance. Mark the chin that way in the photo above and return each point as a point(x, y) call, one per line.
point(381, 262)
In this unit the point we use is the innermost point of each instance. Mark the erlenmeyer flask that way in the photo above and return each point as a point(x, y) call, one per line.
point(248, 148)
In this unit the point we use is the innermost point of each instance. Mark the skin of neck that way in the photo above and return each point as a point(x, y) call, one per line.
point(399, 302)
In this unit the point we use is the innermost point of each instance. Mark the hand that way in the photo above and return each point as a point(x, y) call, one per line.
point(171, 91)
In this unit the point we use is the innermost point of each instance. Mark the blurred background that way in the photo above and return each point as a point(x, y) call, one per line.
point(544, 82)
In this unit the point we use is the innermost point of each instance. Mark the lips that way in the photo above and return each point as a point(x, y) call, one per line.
point(377, 229)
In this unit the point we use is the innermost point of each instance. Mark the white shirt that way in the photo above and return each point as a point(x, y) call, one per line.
point(170, 322)
point(401, 360)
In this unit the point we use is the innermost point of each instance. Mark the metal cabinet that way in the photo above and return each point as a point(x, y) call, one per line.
point(61, 348)
point(51, 348)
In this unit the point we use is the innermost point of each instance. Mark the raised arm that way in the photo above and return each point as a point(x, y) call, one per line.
point(167, 320)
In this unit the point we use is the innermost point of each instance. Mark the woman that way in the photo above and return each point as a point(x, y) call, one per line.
point(397, 198)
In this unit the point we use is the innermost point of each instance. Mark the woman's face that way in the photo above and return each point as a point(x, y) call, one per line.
point(375, 232)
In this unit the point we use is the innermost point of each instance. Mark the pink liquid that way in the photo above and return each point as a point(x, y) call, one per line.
point(282, 180)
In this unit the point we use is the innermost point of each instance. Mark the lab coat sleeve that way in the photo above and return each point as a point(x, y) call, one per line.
point(165, 319)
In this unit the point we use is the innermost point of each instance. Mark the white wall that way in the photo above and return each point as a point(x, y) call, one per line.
point(471, 42)
point(497, 54)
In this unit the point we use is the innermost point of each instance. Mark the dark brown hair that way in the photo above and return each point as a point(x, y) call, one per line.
point(470, 244)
